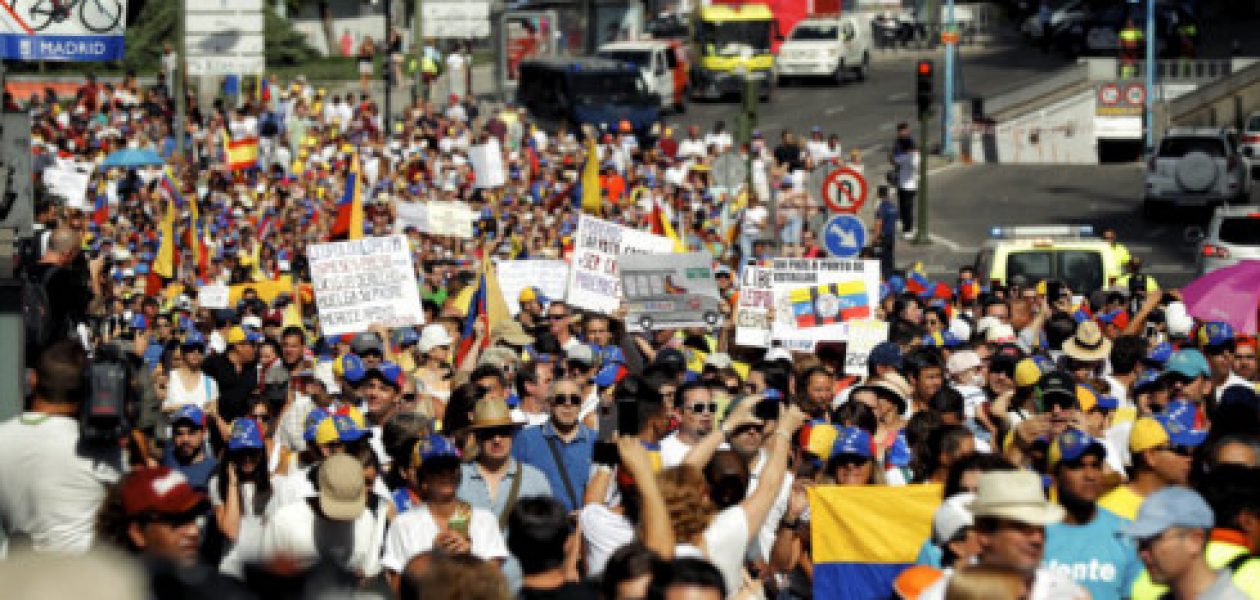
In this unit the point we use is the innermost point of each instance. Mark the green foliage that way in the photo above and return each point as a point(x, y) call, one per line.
point(157, 22)
point(284, 44)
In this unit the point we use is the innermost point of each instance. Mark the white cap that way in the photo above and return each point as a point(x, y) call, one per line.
point(961, 361)
point(720, 360)
point(252, 321)
point(779, 353)
point(324, 374)
point(432, 336)
point(1000, 332)
point(960, 328)
point(984, 323)
point(951, 517)
point(1179, 321)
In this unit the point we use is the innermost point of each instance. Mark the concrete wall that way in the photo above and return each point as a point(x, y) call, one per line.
point(1059, 133)
point(1224, 103)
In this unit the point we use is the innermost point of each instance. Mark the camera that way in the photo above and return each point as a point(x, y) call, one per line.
point(105, 415)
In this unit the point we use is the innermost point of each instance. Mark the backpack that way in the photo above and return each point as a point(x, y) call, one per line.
point(37, 309)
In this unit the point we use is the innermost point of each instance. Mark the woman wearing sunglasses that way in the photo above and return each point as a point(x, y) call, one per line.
point(240, 493)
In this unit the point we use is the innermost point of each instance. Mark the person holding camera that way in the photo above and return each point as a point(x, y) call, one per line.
point(54, 481)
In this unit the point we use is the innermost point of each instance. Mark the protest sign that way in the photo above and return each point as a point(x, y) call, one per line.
point(669, 294)
point(359, 283)
point(450, 218)
point(411, 214)
point(70, 183)
point(752, 312)
point(864, 335)
point(593, 280)
point(487, 163)
point(813, 298)
point(213, 296)
point(549, 276)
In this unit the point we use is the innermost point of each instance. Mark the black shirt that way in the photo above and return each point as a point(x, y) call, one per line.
point(568, 591)
point(235, 386)
point(789, 155)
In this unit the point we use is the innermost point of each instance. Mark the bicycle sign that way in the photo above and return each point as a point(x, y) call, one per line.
point(62, 30)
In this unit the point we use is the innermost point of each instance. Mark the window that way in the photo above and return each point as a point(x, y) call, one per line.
point(1177, 147)
point(1240, 230)
point(1253, 124)
point(1033, 266)
point(1081, 270)
point(814, 31)
point(671, 59)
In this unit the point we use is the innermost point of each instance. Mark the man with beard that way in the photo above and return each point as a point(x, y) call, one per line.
point(1086, 545)
point(187, 451)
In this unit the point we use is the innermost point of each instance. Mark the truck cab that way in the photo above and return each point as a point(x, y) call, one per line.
point(663, 64)
point(833, 47)
point(731, 44)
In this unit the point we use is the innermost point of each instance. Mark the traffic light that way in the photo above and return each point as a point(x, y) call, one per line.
point(924, 73)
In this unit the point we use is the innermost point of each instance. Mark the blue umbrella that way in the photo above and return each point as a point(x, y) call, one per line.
point(132, 157)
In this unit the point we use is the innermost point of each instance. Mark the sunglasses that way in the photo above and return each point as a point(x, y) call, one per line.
point(409, 398)
point(562, 399)
point(496, 432)
point(1177, 449)
point(703, 407)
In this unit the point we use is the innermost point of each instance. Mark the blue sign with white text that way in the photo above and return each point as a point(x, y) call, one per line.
point(71, 48)
point(844, 236)
point(63, 30)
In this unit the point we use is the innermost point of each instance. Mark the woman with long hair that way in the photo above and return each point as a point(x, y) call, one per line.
point(433, 367)
point(240, 494)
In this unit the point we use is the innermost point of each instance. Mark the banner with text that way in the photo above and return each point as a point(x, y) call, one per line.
point(669, 294)
point(450, 218)
point(214, 296)
point(813, 298)
point(594, 283)
point(752, 312)
point(864, 335)
point(549, 276)
point(90, 30)
point(362, 282)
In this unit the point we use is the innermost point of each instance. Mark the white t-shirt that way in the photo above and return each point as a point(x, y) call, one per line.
point(908, 170)
point(248, 544)
point(691, 148)
point(1119, 390)
point(295, 531)
point(726, 540)
point(1048, 585)
point(50, 489)
point(605, 532)
point(200, 395)
point(755, 220)
point(413, 532)
point(673, 451)
point(761, 546)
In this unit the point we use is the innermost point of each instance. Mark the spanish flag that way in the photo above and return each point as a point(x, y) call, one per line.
point(591, 203)
point(349, 221)
point(487, 306)
point(164, 262)
point(832, 303)
point(659, 220)
point(241, 154)
point(865, 535)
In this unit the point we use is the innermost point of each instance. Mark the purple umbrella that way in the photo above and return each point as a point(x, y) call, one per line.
point(1231, 295)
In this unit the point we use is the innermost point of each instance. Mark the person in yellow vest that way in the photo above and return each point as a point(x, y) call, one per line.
point(1130, 47)
point(1161, 451)
point(1135, 280)
point(1172, 537)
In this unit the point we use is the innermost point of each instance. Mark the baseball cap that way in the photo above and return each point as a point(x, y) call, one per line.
point(1173, 506)
point(388, 373)
point(999, 333)
point(313, 420)
point(1151, 432)
point(1145, 380)
point(818, 437)
point(1215, 333)
point(191, 413)
point(952, 516)
point(852, 440)
point(238, 334)
point(161, 490)
point(583, 354)
point(718, 360)
point(1159, 354)
point(194, 339)
point(365, 343)
point(342, 491)
point(339, 428)
point(1072, 445)
point(1189, 363)
point(778, 353)
point(942, 339)
point(1027, 373)
point(350, 366)
point(671, 357)
point(430, 447)
point(886, 354)
point(530, 294)
point(245, 435)
point(961, 361)
point(612, 366)
point(1057, 385)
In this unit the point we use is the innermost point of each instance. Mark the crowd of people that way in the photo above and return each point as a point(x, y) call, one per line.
point(1099, 447)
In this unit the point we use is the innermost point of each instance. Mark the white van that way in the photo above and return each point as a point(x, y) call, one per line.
point(663, 64)
point(831, 47)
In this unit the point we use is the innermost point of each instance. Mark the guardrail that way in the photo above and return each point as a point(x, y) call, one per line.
point(1068, 77)
point(1190, 70)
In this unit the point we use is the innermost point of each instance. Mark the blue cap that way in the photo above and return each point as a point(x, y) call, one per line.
point(1106, 402)
point(138, 321)
point(1146, 379)
point(1183, 412)
point(254, 336)
point(1215, 333)
point(613, 365)
point(772, 394)
point(142, 269)
point(352, 368)
point(897, 283)
point(899, 454)
point(852, 440)
point(1160, 353)
point(189, 412)
point(408, 336)
point(195, 338)
point(1173, 506)
point(1073, 444)
point(348, 430)
point(245, 435)
point(1189, 363)
point(885, 353)
point(313, 420)
point(430, 447)
point(1179, 433)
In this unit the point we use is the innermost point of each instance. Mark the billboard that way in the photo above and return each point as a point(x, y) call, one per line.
point(62, 30)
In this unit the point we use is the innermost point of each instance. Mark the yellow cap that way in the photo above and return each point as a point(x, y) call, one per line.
point(1086, 398)
point(1147, 433)
point(1027, 373)
point(235, 335)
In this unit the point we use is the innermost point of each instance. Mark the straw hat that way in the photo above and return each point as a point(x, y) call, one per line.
point(1088, 344)
point(491, 413)
point(1014, 495)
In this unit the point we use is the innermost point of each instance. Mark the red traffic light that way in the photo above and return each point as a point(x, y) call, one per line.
point(925, 67)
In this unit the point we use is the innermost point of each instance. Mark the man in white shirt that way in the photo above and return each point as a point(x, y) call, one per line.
point(719, 139)
point(697, 412)
point(54, 481)
point(692, 146)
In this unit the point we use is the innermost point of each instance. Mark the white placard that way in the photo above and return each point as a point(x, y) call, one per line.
point(363, 282)
point(450, 218)
point(752, 312)
point(594, 283)
point(813, 298)
point(671, 292)
point(411, 214)
point(549, 276)
point(213, 296)
point(864, 335)
point(462, 19)
point(69, 183)
point(487, 163)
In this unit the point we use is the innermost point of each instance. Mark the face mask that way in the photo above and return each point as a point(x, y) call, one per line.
point(977, 379)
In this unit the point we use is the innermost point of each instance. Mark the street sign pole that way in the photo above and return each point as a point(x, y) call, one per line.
point(179, 85)
point(1148, 115)
point(388, 66)
point(921, 205)
point(947, 105)
point(417, 43)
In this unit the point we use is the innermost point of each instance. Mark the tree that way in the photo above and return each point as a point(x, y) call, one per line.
point(157, 21)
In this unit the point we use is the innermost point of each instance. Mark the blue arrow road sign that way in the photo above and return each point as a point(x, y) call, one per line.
point(844, 236)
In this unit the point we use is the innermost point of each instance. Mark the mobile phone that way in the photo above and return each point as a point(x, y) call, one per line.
point(1054, 291)
point(767, 410)
point(605, 453)
point(627, 416)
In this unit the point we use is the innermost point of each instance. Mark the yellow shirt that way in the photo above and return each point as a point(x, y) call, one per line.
point(1123, 501)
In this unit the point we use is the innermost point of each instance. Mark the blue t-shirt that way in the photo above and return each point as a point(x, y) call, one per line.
point(888, 214)
point(198, 473)
point(929, 554)
point(1095, 555)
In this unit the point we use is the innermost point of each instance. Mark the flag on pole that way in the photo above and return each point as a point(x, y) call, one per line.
point(164, 262)
point(591, 203)
point(241, 154)
point(661, 225)
point(486, 305)
point(349, 221)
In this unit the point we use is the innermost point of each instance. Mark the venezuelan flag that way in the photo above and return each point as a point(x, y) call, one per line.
point(241, 154)
point(485, 305)
point(833, 303)
point(916, 280)
point(661, 225)
point(164, 262)
point(864, 536)
point(349, 221)
point(591, 203)
point(100, 211)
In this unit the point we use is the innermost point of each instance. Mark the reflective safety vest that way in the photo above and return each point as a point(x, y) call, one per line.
point(1223, 552)
point(1130, 36)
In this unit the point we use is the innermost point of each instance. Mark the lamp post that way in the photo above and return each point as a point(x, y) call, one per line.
point(1147, 111)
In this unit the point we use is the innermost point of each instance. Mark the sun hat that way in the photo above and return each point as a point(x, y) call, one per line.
point(894, 387)
point(1088, 343)
point(951, 517)
point(160, 490)
point(342, 491)
point(490, 413)
point(1172, 506)
point(1071, 445)
point(1014, 495)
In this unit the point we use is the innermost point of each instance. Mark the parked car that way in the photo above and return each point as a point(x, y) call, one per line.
point(1069, 12)
point(1232, 235)
point(1098, 32)
point(828, 47)
point(663, 64)
point(1250, 142)
point(1196, 166)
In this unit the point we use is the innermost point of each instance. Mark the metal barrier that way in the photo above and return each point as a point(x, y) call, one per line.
point(1186, 70)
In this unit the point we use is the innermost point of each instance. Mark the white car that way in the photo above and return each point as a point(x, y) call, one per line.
point(1072, 10)
point(1250, 142)
point(1196, 166)
point(1232, 235)
point(828, 47)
